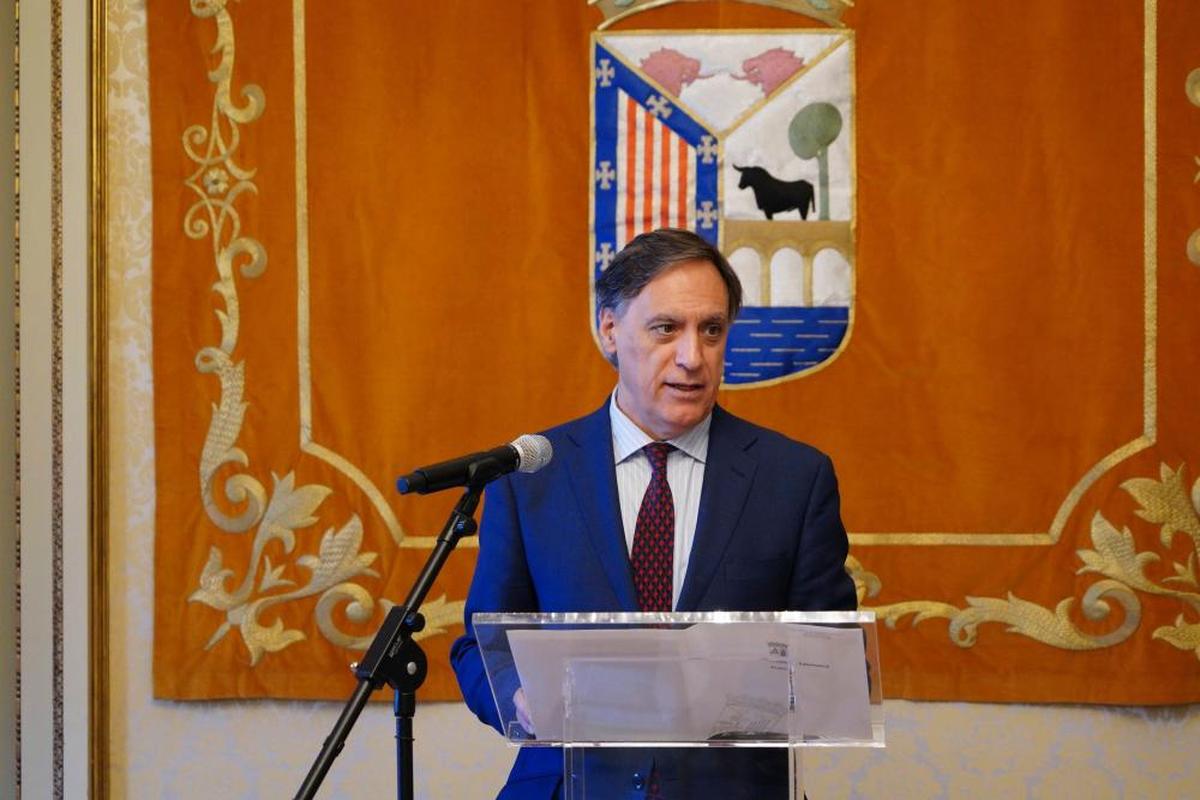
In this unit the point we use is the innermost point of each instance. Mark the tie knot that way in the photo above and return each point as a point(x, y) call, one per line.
point(657, 453)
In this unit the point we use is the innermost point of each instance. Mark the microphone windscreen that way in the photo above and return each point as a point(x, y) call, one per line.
point(533, 452)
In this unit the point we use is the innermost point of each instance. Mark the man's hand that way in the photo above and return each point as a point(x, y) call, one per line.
point(523, 715)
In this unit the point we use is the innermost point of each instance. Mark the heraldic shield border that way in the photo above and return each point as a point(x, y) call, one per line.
point(746, 138)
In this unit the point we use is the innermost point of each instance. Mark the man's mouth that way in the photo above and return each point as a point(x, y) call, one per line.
point(686, 388)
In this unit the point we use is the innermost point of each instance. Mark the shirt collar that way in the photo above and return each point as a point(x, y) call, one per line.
point(628, 438)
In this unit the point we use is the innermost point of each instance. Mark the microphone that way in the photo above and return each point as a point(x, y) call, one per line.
point(527, 453)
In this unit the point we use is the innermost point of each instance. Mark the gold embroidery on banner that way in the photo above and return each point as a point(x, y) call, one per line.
point(1164, 502)
point(1193, 242)
point(439, 614)
point(290, 508)
point(1192, 87)
point(1021, 616)
point(1150, 222)
point(218, 182)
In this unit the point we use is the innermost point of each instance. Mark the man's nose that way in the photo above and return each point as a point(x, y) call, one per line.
point(688, 351)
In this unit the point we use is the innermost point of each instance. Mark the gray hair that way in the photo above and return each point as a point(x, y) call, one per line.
point(650, 254)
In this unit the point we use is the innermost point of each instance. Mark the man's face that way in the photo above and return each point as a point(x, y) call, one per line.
point(670, 347)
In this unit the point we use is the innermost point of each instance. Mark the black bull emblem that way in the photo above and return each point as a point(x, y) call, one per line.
point(773, 196)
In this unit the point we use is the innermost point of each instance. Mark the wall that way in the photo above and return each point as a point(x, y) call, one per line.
point(49, 565)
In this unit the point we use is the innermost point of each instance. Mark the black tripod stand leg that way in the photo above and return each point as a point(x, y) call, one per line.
point(405, 706)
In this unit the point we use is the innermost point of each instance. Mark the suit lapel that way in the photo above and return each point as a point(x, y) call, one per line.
point(594, 481)
point(728, 474)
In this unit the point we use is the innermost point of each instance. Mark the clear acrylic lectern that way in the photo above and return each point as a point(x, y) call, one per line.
point(607, 686)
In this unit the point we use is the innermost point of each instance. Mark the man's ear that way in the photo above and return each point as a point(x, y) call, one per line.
point(606, 328)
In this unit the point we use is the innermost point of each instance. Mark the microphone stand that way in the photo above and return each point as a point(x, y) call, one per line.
point(394, 657)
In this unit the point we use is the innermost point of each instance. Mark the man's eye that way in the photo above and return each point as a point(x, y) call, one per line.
point(714, 330)
point(663, 328)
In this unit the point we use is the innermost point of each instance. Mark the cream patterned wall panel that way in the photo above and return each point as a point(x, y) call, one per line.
point(263, 749)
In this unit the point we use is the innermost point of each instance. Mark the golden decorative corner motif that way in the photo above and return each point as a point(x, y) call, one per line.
point(289, 509)
point(827, 11)
point(1115, 556)
point(1166, 503)
point(218, 181)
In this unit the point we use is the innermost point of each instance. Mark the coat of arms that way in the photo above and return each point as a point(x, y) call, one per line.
point(747, 139)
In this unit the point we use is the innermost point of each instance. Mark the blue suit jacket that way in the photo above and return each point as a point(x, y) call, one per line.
point(769, 538)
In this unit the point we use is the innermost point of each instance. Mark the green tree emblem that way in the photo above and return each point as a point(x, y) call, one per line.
point(810, 133)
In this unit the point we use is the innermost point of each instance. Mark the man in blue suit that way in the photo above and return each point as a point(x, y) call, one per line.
point(725, 515)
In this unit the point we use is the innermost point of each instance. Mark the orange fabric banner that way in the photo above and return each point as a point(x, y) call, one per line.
point(372, 250)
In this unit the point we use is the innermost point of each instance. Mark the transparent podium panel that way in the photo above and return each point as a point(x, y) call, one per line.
point(747, 773)
point(685, 680)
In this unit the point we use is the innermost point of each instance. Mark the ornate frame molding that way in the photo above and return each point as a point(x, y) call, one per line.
point(98, 609)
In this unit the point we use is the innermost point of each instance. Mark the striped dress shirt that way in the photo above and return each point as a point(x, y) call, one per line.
point(685, 474)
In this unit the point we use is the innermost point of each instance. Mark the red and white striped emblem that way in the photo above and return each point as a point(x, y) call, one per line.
point(656, 181)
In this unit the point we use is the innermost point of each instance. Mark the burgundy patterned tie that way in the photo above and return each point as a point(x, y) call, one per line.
point(653, 556)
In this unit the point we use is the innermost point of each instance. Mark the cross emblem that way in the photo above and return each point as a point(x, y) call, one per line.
point(707, 214)
point(659, 106)
point(605, 73)
point(604, 256)
point(605, 174)
point(707, 149)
